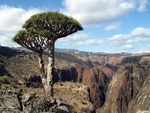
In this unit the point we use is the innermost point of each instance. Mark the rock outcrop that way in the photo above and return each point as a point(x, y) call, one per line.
point(141, 102)
point(97, 82)
point(9, 102)
point(76, 94)
point(94, 79)
point(14, 102)
point(126, 84)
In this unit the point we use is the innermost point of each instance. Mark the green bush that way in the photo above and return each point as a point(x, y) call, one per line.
point(13, 85)
point(4, 79)
point(75, 104)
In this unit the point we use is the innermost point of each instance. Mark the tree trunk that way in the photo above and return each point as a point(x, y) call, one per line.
point(47, 80)
point(50, 68)
point(42, 70)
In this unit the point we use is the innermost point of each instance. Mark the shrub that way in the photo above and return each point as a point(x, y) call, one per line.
point(4, 79)
point(75, 104)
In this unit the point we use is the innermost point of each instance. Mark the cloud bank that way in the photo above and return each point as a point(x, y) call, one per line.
point(11, 21)
point(90, 12)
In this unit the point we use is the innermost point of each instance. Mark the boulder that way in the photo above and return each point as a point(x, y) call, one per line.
point(9, 102)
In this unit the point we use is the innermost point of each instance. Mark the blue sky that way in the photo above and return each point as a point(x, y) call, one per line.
point(109, 26)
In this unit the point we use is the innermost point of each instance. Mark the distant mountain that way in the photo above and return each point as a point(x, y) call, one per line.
point(56, 50)
point(82, 53)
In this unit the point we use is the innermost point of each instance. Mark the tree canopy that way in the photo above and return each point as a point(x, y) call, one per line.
point(42, 29)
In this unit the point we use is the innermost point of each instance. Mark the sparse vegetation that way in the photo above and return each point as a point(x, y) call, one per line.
point(75, 104)
point(3, 79)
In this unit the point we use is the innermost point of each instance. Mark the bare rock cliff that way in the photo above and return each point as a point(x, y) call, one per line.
point(126, 84)
point(97, 82)
point(141, 102)
point(94, 79)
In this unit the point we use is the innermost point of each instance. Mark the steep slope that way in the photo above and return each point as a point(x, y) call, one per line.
point(125, 85)
point(141, 102)
point(97, 82)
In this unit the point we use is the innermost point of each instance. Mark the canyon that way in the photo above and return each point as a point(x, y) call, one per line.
point(115, 83)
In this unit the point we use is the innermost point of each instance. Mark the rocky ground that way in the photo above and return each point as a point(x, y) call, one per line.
point(14, 102)
point(97, 82)
point(69, 97)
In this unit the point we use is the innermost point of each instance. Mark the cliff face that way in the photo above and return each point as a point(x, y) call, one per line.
point(124, 87)
point(122, 94)
point(97, 82)
point(109, 64)
point(141, 102)
point(94, 79)
point(115, 82)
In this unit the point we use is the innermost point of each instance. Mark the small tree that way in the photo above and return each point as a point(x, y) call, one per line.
point(41, 31)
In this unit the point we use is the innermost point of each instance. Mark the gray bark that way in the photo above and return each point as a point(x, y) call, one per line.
point(47, 80)
point(41, 64)
point(50, 68)
point(42, 70)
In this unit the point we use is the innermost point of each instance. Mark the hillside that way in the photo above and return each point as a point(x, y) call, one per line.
point(96, 71)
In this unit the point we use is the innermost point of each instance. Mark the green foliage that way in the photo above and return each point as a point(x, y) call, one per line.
point(75, 104)
point(4, 79)
point(13, 85)
point(51, 18)
point(131, 111)
point(43, 29)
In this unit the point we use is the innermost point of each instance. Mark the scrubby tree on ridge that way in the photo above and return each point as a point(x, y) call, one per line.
point(40, 32)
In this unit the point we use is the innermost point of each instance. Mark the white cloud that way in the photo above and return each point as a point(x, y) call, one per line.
point(80, 39)
point(90, 42)
point(90, 12)
point(127, 47)
point(130, 41)
point(148, 48)
point(141, 39)
point(11, 21)
point(114, 26)
point(138, 39)
point(141, 32)
point(123, 42)
point(142, 6)
point(74, 37)
point(118, 39)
